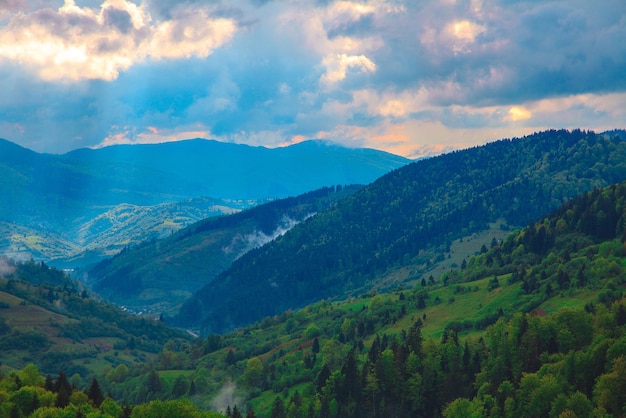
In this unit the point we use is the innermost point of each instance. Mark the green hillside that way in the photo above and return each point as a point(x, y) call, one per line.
point(396, 229)
point(47, 318)
point(159, 275)
point(532, 325)
point(535, 325)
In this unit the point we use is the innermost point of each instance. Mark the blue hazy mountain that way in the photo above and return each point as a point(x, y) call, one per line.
point(49, 199)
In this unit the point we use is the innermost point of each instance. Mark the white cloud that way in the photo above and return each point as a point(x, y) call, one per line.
point(152, 135)
point(337, 65)
point(77, 43)
point(464, 33)
point(405, 76)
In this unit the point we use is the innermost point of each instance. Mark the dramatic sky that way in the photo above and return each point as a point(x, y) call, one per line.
point(413, 77)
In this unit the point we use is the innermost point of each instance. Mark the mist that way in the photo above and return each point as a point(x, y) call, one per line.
point(241, 244)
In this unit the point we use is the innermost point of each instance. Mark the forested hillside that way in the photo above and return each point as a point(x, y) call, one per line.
point(159, 275)
point(47, 318)
point(394, 229)
point(533, 326)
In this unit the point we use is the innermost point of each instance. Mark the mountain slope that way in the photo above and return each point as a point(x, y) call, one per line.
point(530, 325)
point(66, 195)
point(158, 276)
point(47, 318)
point(385, 233)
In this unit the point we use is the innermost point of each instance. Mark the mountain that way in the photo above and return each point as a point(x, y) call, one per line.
point(532, 326)
point(73, 196)
point(393, 230)
point(210, 168)
point(159, 275)
point(47, 318)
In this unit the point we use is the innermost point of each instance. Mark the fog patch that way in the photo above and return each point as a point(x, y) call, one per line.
point(226, 397)
point(241, 244)
point(6, 268)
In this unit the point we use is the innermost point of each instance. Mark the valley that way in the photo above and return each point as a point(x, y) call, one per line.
point(484, 282)
point(77, 208)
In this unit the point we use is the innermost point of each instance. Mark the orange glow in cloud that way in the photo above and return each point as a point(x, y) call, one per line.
point(517, 113)
point(296, 139)
point(395, 141)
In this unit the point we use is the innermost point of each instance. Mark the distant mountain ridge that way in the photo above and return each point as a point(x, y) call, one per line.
point(60, 197)
point(394, 229)
point(159, 276)
point(237, 171)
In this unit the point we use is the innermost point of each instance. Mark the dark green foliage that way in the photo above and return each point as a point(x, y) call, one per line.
point(524, 363)
point(63, 390)
point(168, 265)
point(94, 393)
point(180, 388)
point(417, 208)
point(278, 408)
point(153, 382)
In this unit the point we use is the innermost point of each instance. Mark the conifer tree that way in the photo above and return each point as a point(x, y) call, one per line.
point(94, 393)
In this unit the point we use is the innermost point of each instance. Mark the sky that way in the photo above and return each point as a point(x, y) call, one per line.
point(410, 77)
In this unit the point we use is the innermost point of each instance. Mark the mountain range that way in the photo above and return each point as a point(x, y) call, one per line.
point(80, 206)
point(391, 232)
point(159, 275)
point(529, 322)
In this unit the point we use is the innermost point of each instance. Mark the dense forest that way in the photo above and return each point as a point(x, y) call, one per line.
point(26, 393)
point(161, 274)
point(405, 219)
point(534, 325)
point(531, 325)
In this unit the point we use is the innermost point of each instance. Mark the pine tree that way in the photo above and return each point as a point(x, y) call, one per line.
point(95, 393)
point(64, 391)
point(278, 408)
point(315, 348)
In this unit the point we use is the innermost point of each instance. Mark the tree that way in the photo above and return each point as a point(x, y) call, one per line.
point(179, 408)
point(315, 348)
point(230, 358)
point(63, 390)
point(109, 406)
point(30, 376)
point(94, 393)
point(278, 408)
point(153, 382)
point(464, 408)
point(180, 387)
point(610, 389)
point(192, 388)
point(236, 413)
point(253, 374)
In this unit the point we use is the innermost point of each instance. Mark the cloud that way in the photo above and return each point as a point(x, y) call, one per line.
point(11, 5)
point(151, 135)
point(6, 268)
point(337, 65)
point(76, 42)
point(517, 113)
point(242, 244)
point(406, 76)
